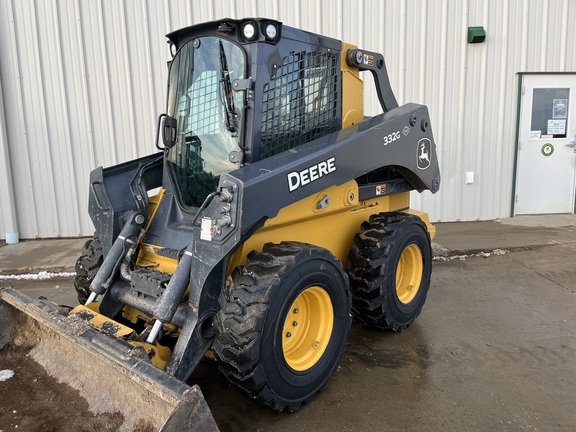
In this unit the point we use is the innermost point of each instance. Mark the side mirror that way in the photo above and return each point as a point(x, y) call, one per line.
point(169, 131)
point(168, 128)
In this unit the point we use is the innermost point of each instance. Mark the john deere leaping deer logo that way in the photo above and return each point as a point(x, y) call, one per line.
point(423, 161)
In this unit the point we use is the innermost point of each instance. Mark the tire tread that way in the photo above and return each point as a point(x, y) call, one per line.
point(87, 265)
point(240, 320)
point(367, 267)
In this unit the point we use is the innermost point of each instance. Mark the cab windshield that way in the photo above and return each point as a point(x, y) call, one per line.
point(201, 99)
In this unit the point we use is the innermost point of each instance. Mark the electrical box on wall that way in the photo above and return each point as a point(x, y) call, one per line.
point(476, 35)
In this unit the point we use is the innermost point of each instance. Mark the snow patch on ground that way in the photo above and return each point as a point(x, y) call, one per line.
point(479, 254)
point(6, 374)
point(38, 276)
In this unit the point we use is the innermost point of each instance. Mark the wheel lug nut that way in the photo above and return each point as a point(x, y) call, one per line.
point(296, 311)
point(295, 323)
point(288, 334)
point(316, 344)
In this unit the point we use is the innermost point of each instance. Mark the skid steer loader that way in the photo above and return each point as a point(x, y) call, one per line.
point(273, 212)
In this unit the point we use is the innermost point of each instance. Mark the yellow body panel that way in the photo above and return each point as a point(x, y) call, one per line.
point(331, 228)
point(426, 219)
point(148, 256)
point(153, 203)
point(352, 90)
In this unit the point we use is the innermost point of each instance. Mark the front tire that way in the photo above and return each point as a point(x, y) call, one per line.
point(389, 266)
point(283, 324)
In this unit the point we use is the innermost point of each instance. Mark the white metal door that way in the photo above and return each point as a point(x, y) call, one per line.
point(546, 171)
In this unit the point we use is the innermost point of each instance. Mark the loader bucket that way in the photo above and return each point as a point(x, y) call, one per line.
point(113, 376)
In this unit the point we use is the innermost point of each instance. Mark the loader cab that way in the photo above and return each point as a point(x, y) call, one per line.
point(218, 71)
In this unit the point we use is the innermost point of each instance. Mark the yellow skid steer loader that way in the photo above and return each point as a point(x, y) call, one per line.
point(273, 212)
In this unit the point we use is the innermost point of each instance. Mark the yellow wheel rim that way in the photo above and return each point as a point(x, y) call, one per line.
point(307, 328)
point(409, 274)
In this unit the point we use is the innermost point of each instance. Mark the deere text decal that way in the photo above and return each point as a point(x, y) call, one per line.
point(298, 179)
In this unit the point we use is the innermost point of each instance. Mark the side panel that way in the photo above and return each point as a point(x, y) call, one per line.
point(401, 139)
point(332, 227)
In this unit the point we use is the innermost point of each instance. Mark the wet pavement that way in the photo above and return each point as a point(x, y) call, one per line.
point(494, 348)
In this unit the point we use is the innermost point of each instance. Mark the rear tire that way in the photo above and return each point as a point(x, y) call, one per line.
point(283, 324)
point(86, 268)
point(389, 268)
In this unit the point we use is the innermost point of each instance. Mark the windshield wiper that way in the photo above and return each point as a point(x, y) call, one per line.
point(226, 84)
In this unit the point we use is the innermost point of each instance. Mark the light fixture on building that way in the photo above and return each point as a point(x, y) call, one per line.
point(476, 35)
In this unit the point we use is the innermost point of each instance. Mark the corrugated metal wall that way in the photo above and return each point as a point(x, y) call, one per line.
point(83, 82)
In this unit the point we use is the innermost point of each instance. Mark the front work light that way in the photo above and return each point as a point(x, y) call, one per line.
point(271, 31)
point(249, 31)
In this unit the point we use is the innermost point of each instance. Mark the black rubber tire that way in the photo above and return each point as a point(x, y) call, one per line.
point(87, 265)
point(253, 308)
point(372, 265)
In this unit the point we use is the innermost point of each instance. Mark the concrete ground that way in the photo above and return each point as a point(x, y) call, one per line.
point(494, 348)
